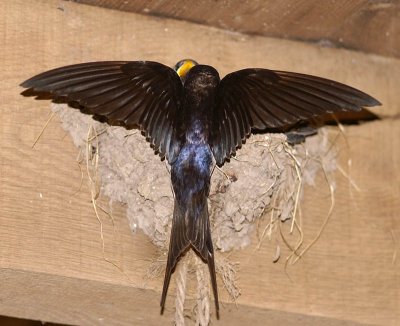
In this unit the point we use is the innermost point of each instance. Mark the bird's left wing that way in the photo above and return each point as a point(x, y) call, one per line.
point(140, 94)
point(266, 99)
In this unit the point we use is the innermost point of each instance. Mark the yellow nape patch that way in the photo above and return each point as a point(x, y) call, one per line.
point(184, 69)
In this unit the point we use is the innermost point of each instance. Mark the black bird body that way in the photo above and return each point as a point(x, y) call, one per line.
point(194, 120)
point(191, 174)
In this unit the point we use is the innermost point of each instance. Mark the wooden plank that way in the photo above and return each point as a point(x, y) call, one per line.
point(85, 302)
point(51, 239)
point(369, 26)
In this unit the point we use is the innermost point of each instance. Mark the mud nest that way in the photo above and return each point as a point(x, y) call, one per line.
point(266, 178)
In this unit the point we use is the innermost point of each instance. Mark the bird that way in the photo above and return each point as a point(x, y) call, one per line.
point(195, 120)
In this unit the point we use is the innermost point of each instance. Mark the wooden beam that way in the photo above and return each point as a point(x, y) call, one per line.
point(52, 265)
point(75, 301)
point(368, 26)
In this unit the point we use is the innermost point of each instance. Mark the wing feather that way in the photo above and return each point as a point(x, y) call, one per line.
point(140, 94)
point(266, 99)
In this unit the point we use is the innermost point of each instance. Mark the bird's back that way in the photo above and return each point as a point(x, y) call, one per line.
point(200, 90)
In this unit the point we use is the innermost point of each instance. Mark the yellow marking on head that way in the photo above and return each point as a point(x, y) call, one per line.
point(185, 67)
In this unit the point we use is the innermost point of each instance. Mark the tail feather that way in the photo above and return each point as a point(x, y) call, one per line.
point(191, 229)
point(178, 245)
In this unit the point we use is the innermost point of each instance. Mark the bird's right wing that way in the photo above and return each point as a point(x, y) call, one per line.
point(266, 99)
point(140, 94)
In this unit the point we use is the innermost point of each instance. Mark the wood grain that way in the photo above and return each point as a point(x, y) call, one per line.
point(52, 266)
point(368, 26)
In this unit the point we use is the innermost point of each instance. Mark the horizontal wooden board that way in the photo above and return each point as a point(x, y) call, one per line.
point(369, 26)
point(51, 239)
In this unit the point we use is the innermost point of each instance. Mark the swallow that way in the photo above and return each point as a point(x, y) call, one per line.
point(194, 120)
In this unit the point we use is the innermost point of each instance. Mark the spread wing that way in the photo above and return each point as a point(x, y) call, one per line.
point(140, 94)
point(266, 99)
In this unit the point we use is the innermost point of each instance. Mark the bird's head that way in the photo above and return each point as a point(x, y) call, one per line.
point(183, 67)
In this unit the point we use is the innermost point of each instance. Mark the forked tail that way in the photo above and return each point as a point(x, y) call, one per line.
point(191, 229)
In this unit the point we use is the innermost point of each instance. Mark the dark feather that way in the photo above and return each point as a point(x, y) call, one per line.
point(140, 94)
point(190, 233)
point(265, 99)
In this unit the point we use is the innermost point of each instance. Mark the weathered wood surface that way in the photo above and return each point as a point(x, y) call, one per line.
point(51, 261)
point(368, 26)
